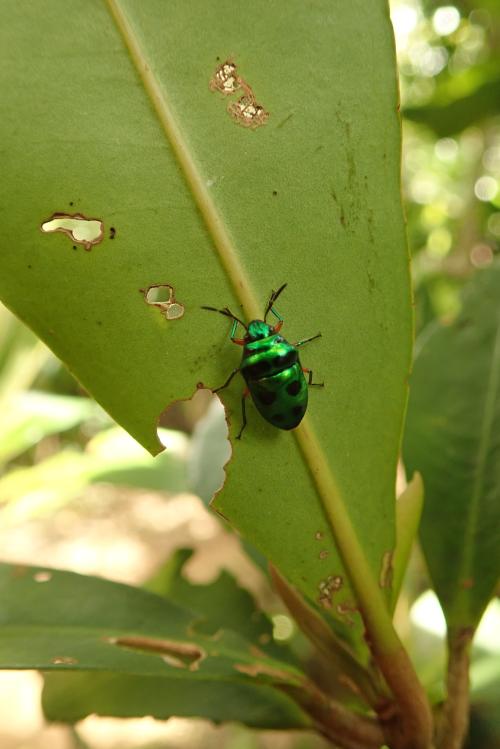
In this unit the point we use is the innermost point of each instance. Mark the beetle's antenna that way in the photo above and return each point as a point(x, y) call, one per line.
point(227, 313)
point(272, 299)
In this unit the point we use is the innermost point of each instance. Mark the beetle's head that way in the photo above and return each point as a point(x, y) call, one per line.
point(258, 329)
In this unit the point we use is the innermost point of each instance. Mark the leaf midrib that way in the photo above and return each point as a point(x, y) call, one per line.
point(213, 220)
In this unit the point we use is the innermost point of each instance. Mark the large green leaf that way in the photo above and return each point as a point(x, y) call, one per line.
point(129, 638)
point(452, 439)
point(221, 604)
point(75, 695)
point(218, 606)
point(108, 113)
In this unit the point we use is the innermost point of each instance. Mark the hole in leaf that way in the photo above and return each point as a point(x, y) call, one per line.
point(42, 577)
point(82, 230)
point(283, 628)
point(203, 417)
point(162, 295)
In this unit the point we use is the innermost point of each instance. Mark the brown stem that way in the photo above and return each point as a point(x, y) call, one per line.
point(344, 728)
point(455, 716)
point(413, 727)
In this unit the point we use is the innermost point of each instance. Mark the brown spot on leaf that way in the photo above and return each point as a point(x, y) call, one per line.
point(180, 654)
point(327, 588)
point(386, 570)
point(63, 660)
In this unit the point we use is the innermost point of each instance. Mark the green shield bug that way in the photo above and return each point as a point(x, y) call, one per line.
point(271, 369)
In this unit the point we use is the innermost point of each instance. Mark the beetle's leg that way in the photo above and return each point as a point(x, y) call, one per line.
point(239, 341)
point(306, 340)
point(221, 387)
point(278, 317)
point(310, 377)
point(227, 313)
point(272, 299)
point(245, 395)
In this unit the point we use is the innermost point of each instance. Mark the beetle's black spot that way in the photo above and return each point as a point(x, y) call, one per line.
point(293, 388)
point(298, 410)
point(266, 397)
point(258, 369)
point(285, 361)
point(278, 417)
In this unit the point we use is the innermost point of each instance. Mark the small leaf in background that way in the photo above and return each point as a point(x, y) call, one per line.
point(427, 642)
point(408, 514)
point(452, 439)
point(220, 605)
point(31, 416)
point(460, 101)
point(112, 456)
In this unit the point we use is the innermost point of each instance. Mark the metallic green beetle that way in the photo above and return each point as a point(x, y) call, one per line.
point(271, 369)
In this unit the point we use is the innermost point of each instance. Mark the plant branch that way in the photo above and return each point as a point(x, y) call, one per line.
point(455, 716)
point(385, 645)
point(344, 728)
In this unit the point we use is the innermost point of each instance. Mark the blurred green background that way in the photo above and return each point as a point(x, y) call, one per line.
point(76, 492)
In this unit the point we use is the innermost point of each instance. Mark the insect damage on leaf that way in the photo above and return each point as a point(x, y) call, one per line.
point(162, 295)
point(327, 589)
point(79, 228)
point(263, 669)
point(386, 570)
point(225, 79)
point(345, 609)
point(178, 654)
point(42, 577)
point(64, 660)
point(246, 111)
